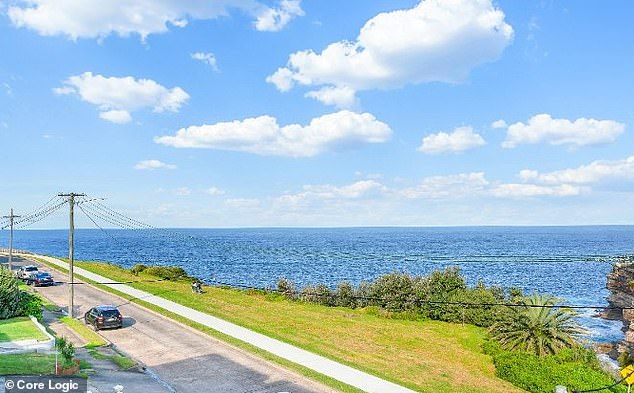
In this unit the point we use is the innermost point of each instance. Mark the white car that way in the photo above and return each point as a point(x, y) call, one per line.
point(25, 272)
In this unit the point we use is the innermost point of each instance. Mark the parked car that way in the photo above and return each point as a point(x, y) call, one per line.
point(25, 272)
point(40, 279)
point(104, 316)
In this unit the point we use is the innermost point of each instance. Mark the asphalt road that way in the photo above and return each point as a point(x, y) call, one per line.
point(186, 359)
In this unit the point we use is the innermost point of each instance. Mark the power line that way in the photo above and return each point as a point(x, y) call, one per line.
point(39, 215)
point(83, 208)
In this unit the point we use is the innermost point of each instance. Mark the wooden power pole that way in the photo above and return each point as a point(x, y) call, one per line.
point(11, 218)
point(71, 250)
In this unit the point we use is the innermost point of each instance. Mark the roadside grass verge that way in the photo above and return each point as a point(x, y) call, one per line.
point(27, 364)
point(123, 362)
point(92, 339)
point(20, 328)
point(427, 356)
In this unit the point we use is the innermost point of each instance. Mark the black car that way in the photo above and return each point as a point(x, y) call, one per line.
point(40, 279)
point(105, 316)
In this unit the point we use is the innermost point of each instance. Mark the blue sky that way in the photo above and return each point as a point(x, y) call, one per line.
point(248, 113)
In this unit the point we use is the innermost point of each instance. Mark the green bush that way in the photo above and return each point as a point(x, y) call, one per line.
point(13, 301)
point(432, 291)
point(394, 292)
point(66, 350)
point(576, 368)
point(344, 295)
point(10, 295)
point(308, 294)
point(170, 273)
point(401, 295)
point(325, 295)
point(138, 268)
point(30, 304)
point(286, 287)
point(319, 293)
point(362, 294)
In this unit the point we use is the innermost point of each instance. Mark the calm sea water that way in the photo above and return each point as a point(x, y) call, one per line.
point(569, 262)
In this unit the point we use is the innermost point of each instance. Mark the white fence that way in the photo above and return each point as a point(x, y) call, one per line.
point(15, 251)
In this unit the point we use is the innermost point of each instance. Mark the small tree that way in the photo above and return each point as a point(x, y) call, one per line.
point(538, 328)
point(10, 295)
point(66, 350)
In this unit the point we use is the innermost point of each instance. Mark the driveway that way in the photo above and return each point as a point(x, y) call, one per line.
point(187, 360)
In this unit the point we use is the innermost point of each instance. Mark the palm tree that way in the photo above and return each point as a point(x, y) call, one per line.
point(539, 327)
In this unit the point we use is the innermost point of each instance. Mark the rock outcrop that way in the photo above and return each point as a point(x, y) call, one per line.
point(621, 285)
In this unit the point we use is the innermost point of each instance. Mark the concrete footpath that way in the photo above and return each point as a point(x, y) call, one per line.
point(320, 364)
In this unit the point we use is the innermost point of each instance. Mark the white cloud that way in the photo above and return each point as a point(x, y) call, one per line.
point(341, 97)
point(499, 124)
point(242, 203)
point(96, 19)
point(514, 190)
point(475, 184)
point(274, 19)
point(451, 186)
point(117, 97)
point(437, 40)
point(183, 191)
point(329, 192)
point(153, 164)
point(207, 58)
point(581, 132)
point(262, 135)
point(585, 174)
point(214, 191)
point(116, 116)
point(461, 139)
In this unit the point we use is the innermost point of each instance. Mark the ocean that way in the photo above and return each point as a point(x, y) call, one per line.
point(569, 262)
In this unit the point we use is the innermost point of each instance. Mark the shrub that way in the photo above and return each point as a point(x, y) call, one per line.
point(10, 295)
point(344, 295)
point(466, 311)
point(362, 295)
point(319, 293)
point(325, 295)
point(66, 350)
point(400, 295)
point(138, 268)
point(286, 287)
point(576, 368)
point(170, 273)
point(308, 294)
point(438, 287)
point(394, 291)
point(30, 304)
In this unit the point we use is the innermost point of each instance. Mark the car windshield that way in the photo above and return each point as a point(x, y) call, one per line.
point(42, 275)
point(30, 269)
point(110, 313)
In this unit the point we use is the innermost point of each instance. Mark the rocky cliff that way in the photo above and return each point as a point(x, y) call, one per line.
point(621, 285)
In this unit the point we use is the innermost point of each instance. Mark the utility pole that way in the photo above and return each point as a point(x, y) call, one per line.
point(11, 217)
point(71, 249)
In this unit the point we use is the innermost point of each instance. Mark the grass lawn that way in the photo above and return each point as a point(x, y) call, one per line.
point(27, 363)
point(92, 339)
point(427, 356)
point(122, 361)
point(21, 328)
